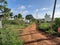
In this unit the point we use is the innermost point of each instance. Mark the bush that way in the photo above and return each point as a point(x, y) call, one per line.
point(42, 26)
point(56, 24)
point(55, 27)
point(57, 21)
point(9, 37)
point(15, 22)
point(51, 32)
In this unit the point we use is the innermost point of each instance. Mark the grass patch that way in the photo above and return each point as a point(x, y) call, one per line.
point(10, 35)
point(44, 25)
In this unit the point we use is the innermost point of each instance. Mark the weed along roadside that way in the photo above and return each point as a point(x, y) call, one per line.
point(29, 22)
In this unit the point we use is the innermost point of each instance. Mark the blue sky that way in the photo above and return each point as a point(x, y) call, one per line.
point(38, 8)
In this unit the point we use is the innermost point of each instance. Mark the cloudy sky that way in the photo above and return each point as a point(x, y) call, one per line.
point(38, 8)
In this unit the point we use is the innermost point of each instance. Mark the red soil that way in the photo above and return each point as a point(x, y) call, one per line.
point(32, 37)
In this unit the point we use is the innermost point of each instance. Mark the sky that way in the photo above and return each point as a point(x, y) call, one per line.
point(38, 8)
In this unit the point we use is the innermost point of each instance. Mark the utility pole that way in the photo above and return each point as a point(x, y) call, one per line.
point(54, 10)
point(53, 14)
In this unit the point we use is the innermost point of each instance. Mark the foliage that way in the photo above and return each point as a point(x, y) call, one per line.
point(11, 14)
point(57, 21)
point(47, 18)
point(56, 24)
point(15, 22)
point(29, 17)
point(51, 32)
point(42, 26)
point(19, 16)
point(15, 16)
point(9, 37)
point(4, 9)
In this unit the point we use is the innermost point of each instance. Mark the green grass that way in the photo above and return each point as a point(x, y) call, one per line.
point(44, 25)
point(12, 26)
point(11, 35)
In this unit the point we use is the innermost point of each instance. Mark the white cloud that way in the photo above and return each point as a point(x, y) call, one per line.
point(22, 7)
point(37, 13)
point(37, 10)
point(58, 5)
point(57, 14)
point(40, 13)
point(24, 12)
point(38, 16)
point(44, 9)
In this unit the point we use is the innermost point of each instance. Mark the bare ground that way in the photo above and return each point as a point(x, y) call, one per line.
point(32, 37)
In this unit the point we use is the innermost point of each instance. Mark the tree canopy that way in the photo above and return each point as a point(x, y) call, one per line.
point(19, 15)
point(4, 9)
point(29, 17)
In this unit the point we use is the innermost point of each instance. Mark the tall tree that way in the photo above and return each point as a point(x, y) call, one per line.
point(29, 17)
point(3, 8)
point(19, 16)
point(11, 14)
point(47, 17)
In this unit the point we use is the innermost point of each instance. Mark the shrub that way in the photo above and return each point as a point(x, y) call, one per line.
point(15, 22)
point(57, 21)
point(55, 27)
point(56, 24)
point(42, 26)
point(51, 32)
point(9, 37)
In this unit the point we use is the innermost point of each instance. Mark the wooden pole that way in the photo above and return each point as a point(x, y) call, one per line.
point(54, 10)
point(53, 13)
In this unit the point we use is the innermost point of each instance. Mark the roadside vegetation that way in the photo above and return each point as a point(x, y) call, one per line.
point(9, 33)
point(45, 27)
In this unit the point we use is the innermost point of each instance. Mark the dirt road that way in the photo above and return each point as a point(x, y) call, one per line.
point(32, 37)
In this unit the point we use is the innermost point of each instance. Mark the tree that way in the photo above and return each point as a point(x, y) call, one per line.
point(3, 8)
point(29, 17)
point(3, 1)
point(47, 17)
point(11, 14)
point(19, 16)
point(15, 16)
